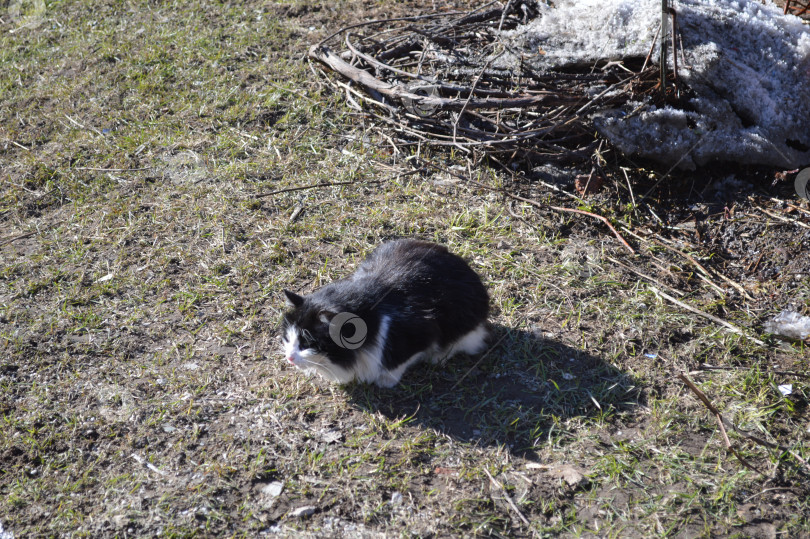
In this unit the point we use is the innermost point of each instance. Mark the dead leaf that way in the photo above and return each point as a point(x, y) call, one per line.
point(572, 475)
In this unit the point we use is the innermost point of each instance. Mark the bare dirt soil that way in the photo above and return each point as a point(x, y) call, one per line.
point(142, 256)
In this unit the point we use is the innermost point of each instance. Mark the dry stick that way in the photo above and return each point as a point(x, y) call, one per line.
point(784, 219)
point(708, 367)
point(503, 15)
point(15, 238)
point(720, 292)
point(469, 97)
point(652, 47)
point(507, 497)
point(673, 33)
point(705, 271)
point(333, 184)
point(685, 379)
point(596, 98)
point(601, 218)
point(97, 169)
point(381, 21)
point(755, 439)
point(313, 186)
point(644, 276)
point(373, 61)
point(630, 187)
point(360, 76)
point(789, 204)
point(366, 98)
point(451, 87)
point(539, 205)
point(17, 144)
point(77, 124)
point(729, 326)
point(663, 59)
point(572, 210)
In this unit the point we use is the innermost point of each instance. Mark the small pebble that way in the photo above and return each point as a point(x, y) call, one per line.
point(273, 489)
point(303, 512)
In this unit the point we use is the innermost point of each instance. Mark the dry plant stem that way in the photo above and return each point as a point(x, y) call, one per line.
point(558, 208)
point(705, 400)
point(755, 439)
point(483, 356)
point(451, 87)
point(572, 210)
point(790, 205)
point(15, 238)
point(587, 105)
point(96, 169)
point(652, 47)
point(784, 219)
point(383, 65)
point(630, 188)
point(472, 92)
point(386, 21)
point(645, 276)
point(315, 186)
point(17, 144)
point(783, 373)
point(503, 15)
point(705, 271)
point(374, 99)
point(601, 218)
point(729, 326)
point(507, 497)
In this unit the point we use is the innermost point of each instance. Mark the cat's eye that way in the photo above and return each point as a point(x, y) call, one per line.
point(307, 338)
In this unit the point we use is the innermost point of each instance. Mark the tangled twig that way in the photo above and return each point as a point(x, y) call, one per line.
point(439, 79)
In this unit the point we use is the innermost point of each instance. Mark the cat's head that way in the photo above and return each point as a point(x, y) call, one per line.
point(316, 338)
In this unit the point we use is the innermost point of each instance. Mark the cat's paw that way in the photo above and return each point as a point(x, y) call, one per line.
point(387, 379)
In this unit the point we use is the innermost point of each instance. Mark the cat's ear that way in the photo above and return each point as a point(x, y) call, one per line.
point(326, 316)
point(293, 299)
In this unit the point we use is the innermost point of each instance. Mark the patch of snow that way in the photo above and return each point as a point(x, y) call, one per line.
point(790, 325)
point(786, 389)
point(747, 63)
point(5, 534)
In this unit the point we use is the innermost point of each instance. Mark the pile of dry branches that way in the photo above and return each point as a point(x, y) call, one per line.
point(436, 80)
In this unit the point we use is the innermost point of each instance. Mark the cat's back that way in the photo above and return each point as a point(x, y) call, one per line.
point(427, 273)
point(408, 259)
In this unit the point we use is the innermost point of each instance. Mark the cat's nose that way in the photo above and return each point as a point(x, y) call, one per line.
point(291, 359)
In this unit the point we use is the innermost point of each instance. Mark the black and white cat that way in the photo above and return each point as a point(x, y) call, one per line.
point(409, 300)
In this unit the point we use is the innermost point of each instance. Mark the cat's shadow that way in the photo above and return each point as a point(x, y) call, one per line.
point(514, 396)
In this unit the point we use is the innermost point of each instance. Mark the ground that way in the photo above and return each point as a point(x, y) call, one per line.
point(142, 258)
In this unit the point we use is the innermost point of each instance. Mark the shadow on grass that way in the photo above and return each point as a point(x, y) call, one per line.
point(517, 396)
